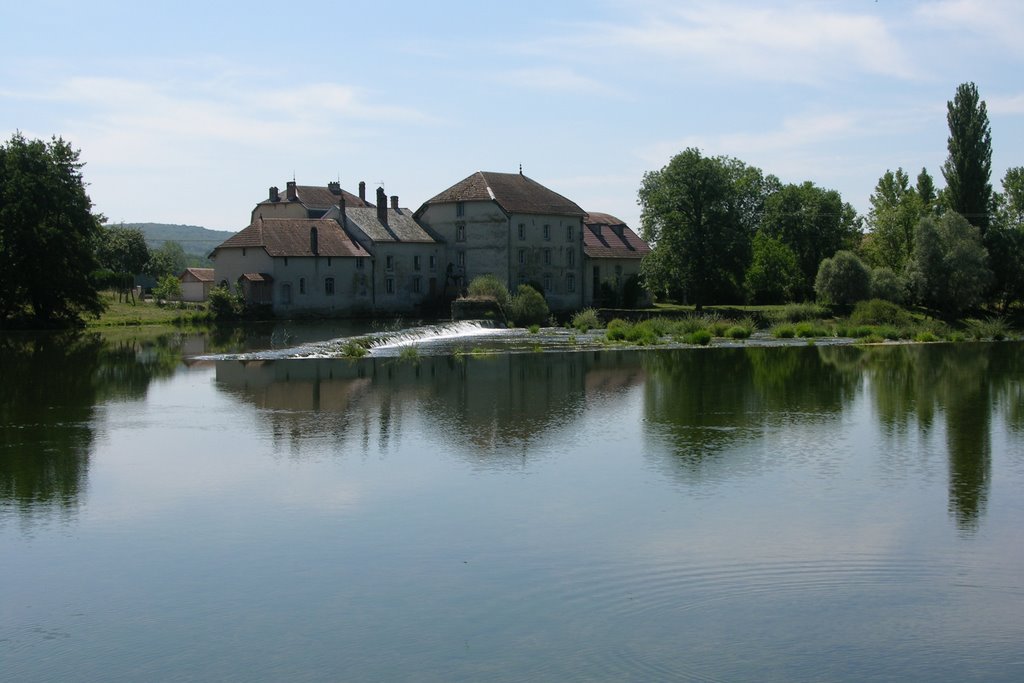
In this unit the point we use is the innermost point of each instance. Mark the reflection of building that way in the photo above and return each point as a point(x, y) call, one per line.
point(497, 404)
point(329, 251)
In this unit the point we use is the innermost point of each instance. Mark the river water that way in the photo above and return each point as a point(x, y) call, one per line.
point(215, 508)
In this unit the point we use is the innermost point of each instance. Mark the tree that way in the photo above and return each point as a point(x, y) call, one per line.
point(968, 167)
point(926, 191)
point(949, 269)
point(168, 259)
point(47, 234)
point(843, 279)
point(815, 223)
point(896, 207)
point(773, 274)
point(1004, 239)
point(168, 289)
point(123, 251)
point(886, 284)
point(690, 210)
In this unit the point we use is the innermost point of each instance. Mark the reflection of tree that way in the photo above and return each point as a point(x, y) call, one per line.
point(51, 384)
point(706, 402)
point(500, 404)
point(959, 381)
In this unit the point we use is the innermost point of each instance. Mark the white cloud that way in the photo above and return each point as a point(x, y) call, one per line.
point(558, 79)
point(1007, 104)
point(795, 43)
point(989, 21)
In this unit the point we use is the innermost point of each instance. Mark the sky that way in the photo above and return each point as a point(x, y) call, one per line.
point(187, 112)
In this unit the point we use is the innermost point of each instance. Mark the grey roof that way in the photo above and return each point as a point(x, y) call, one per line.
point(317, 197)
point(513, 192)
point(401, 227)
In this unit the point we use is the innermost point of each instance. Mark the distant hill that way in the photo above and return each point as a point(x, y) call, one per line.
point(196, 241)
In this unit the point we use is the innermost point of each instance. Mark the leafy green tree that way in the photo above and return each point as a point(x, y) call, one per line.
point(926, 191)
point(1004, 240)
point(843, 279)
point(168, 259)
point(691, 211)
point(815, 223)
point(123, 251)
point(896, 208)
point(968, 167)
point(168, 289)
point(773, 274)
point(887, 285)
point(949, 270)
point(47, 234)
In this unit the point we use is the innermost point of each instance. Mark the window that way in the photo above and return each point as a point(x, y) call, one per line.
point(243, 251)
point(460, 259)
point(570, 257)
point(547, 257)
point(522, 231)
point(522, 256)
point(547, 282)
point(416, 260)
point(618, 274)
point(460, 209)
point(389, 285)
point(570, 283)
point(460, 233)
point(286, 293)
point(389, 262)
point(547, 232)
point(433, 262)
point(359, 263)
point(568, 233)
point(416, 285)
point(302, 285)
point(328, 261)
point(329, 286)
point(314, 242)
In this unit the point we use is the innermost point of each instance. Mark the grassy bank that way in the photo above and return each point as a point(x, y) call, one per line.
point(123, 314)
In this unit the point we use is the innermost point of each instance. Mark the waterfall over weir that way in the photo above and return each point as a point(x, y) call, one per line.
point(435, 334)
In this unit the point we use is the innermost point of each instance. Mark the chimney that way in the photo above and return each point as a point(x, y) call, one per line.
point(274, 195)
point(394, 202)
point(334, 186)
point(382, 206)
point(292, 194)
point(362, 191)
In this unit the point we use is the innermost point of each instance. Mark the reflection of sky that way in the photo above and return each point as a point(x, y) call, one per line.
point(806, 545)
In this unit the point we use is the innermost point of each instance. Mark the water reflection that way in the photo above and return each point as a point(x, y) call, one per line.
point(52, 384)
point(910, 385)
point(483, 407)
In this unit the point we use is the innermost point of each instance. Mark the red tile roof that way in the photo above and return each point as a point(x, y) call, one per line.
point(200, 274)
point(605, 236)
point(291, 237)
point(513, 192)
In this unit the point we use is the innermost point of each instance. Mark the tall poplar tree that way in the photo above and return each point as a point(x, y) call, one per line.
point(968, 167)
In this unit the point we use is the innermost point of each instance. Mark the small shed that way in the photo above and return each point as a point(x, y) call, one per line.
point(196, 284)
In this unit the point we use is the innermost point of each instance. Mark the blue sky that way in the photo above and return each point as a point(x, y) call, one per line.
point(187, 112)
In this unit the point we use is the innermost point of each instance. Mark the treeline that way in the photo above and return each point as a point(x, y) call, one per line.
point(725, 232)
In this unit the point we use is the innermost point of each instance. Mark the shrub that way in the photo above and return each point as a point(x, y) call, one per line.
point(809, 330)
point(409, 353)
point(991, 328)
point(784, 331)
point(925, 337)
point(528, 307)
point(534, 328)
point(701, 337)
point(616, 330)
point(224, 305)
point(878, 312)
point(842, 279)
point(737, 332)
point(795, 313)
point(489, 286)
point(632, 291)
point(586, 320)
point(353, 349)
